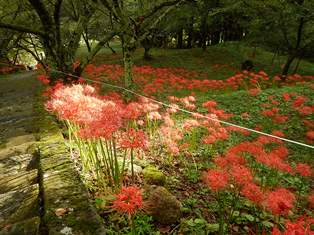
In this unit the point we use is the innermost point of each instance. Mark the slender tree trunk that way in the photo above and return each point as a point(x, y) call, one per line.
point(87, 42)
point(274, 57)
point(287, 66)
point(189, 39)
point(146, 53)
point(203, 30)
point(111, 49)
point(180, 39)
point(190, 34)
point(297, 65)
point(127, 61)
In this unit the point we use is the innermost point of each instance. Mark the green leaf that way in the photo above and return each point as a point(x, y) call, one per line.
point(99, 200)
point(213, 227)
point(249, 217)
point(268, 224)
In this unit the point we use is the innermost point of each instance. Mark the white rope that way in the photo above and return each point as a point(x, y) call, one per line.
point(189, 112)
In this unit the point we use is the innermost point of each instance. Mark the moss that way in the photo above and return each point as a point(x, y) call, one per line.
point(154, 176)
point(3, 145)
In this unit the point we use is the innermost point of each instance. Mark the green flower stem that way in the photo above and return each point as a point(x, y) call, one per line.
point(132, 165)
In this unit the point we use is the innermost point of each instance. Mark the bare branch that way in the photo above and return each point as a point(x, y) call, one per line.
point(22, 29)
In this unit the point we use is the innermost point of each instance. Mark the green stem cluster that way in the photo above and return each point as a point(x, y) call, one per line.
point(99, 157)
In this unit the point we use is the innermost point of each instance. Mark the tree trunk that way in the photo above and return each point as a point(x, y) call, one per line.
point(190, 34)
point(203, 30)
point(189, 39)
point(146, 53)
point(111, 49)
point(127, 62)
point(85, 37)
point(180, 39)
point(297, 65)
point(287, 66)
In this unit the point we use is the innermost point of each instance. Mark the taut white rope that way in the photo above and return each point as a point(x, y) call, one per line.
point(189, 112)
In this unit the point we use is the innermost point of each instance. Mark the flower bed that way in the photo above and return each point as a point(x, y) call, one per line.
point(227, 179)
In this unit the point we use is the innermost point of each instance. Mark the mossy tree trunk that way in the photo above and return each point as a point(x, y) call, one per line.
point(127, 60)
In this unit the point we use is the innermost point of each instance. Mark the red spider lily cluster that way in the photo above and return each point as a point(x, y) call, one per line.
point(302, 226)
point(128, 201)
point(237, 168)
point(303, 107)
point(158, 80)
point(11, 68)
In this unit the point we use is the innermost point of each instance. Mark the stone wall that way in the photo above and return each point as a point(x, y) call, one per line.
point(66, 205)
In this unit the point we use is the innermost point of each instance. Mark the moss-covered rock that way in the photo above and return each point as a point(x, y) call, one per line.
point(163, 206)
point(154, 176)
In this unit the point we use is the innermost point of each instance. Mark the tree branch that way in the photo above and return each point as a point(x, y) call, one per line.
point(21, 29)
point(42, 13)
point(160, 7)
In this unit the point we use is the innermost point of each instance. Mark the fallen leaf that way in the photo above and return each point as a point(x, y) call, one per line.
point(165, 229)
point(61, 211)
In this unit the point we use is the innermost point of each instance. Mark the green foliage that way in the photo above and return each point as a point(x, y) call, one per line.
point(198, 226)
point(143, 225)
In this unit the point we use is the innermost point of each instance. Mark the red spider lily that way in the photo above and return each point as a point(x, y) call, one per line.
point(133, 139)
point(286, 96)
point(210, 104)
point(300, 100)
point(252, 192)
point(262, 140)
point(282, 152)
point(133, 111)
point(280, 201)
point(278, 133)
point(190, 123)
point(308, 123)
point(275, 102)
point(280, 118)
point(252, 148)
point(154, 115)
point(241, 175)
point(170, 134)
point(254, 91)
point(44, 79)
point(305, 111)
point(274, 162)
point(216, 179)
point(304, 170)
point(129, 200)
point(239, 130)
point(233, 159)
point(301, 227)
point(310, 135)
point(268, 113)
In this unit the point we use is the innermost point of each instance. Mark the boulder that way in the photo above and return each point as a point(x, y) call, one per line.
point(154, 176)
point(163, 206)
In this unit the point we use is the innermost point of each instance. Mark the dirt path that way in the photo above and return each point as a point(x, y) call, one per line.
point(19, 189)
